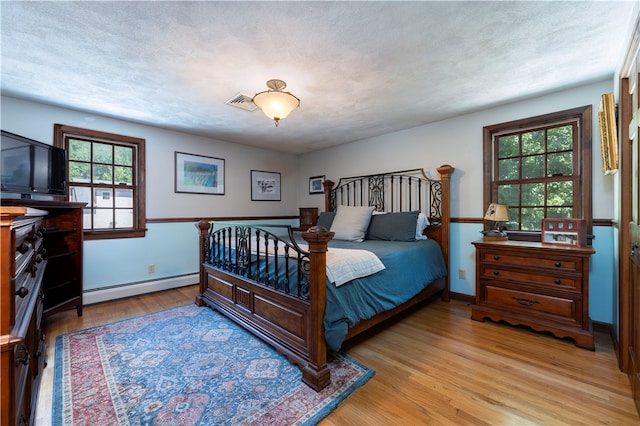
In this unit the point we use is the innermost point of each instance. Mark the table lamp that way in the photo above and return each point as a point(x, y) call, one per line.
point(496, 213)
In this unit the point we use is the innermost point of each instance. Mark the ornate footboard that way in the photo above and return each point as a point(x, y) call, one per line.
point(266, 284)
point(277, 289)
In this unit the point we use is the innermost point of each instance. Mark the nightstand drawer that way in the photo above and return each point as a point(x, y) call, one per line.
point(547, 280)
point(556, 263)
point(532, 302)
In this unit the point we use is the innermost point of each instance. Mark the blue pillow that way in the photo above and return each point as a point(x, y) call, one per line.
point(326, 219)
point(400, 226)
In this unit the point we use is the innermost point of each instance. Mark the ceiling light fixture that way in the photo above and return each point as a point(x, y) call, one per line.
point(275, 103)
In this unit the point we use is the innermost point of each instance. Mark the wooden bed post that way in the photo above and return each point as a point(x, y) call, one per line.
point(328, 184)
point(204, 227)
point(445, 213)
point(316, 374)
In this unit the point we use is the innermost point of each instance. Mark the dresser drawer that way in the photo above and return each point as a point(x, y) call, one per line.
point(532, 260)
point(546, 279)
point(28, 240)
point(27, 285)
point(21, 363)
point(566, 309)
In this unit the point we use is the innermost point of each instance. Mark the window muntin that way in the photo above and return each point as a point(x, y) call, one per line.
point(103, 172)
point(536, 173)
point(108, 169)
point(540, 168)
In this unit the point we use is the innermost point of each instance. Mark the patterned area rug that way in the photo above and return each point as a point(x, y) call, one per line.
point(187, 366)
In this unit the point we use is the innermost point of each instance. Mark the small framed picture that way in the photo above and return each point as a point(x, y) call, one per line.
point(265, 186)
point(315, 185)
point(199, 174)
point(564, 231)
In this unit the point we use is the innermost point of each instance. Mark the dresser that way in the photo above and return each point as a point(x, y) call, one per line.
point(542, 286)
point(21, 329)
point(63, 243)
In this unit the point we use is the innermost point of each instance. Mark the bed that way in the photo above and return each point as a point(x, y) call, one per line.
point(305, 293)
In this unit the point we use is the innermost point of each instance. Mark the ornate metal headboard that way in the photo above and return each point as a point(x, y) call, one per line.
point(405, 190)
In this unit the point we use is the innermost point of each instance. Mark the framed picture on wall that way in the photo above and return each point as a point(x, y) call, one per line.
point(608, 133)
point(564, 231)
point(199, 174)
point(315, 185)
point(265, 186)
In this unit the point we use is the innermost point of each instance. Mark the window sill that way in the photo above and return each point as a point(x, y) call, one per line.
point(111, 234)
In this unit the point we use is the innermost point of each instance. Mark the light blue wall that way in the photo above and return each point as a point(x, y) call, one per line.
point(603, 284)
point(171, 247)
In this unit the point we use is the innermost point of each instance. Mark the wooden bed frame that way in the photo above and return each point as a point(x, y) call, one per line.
point(294, 325)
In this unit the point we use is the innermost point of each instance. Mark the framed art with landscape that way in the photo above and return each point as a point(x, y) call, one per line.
point(315, 185)
point(199, 174)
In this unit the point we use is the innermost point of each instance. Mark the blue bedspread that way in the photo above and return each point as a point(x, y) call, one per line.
point(410, 266)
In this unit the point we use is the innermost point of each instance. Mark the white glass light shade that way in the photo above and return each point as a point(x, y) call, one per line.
point(275, 104)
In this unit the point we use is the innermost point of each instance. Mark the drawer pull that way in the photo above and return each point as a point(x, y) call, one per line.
point(496, 273)
point(22, 292)
point(525, 302)
point(496, 257)
point(23, 248)
point(557, 281)
point(558, 264)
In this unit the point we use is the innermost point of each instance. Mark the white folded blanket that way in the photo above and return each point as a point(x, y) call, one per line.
point(344, 265)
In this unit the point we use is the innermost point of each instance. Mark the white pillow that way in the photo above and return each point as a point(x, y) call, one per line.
point(421, 225)
point(351, 223)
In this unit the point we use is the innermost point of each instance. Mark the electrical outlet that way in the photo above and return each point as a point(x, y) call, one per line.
point(462, 274)
point(152, 268)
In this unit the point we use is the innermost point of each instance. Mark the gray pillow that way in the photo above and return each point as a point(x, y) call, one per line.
point(326, 219)
point(400, 226)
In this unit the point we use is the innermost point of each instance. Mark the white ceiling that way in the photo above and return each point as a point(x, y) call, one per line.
point(360, 69)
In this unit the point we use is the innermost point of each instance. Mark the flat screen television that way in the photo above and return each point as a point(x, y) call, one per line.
point(31, 167)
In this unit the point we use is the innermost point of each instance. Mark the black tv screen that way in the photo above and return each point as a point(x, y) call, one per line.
point(29, 166)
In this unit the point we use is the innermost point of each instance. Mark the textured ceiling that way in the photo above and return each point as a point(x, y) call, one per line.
point(360, 69)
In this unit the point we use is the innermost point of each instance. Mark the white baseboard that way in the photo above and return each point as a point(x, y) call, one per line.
point(103, 295)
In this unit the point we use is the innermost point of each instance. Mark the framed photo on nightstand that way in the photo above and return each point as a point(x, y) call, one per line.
point(564, 231)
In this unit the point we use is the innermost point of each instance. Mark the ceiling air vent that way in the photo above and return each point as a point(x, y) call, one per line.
point(242, 101)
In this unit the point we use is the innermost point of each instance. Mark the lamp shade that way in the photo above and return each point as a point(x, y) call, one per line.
point(275, 103)
point(497, 213)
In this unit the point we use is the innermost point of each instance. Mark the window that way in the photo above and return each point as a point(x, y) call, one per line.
point(541, 168)
point(105, 171)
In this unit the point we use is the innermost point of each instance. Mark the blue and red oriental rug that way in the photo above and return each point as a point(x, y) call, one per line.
point(187, 366)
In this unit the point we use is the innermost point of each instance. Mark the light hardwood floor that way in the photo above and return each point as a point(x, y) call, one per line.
point(436, 366)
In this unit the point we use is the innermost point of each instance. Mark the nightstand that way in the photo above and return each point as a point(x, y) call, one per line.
point(542, 286)
point(308, 218)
